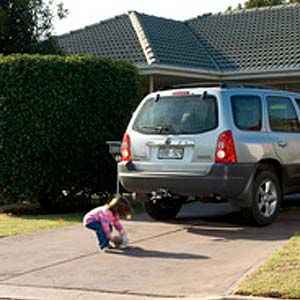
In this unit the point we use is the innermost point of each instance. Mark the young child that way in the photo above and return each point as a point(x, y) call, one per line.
point(102, 219)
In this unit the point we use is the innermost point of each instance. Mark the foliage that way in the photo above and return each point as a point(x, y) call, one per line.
point(26, 24)
point(56, 115)
point(260, 3)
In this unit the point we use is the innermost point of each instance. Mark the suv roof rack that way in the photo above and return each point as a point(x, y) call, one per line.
point(223, 85)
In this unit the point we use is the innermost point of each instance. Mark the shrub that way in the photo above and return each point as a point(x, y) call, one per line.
point(56, 113)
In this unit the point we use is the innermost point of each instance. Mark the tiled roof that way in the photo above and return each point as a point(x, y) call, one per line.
point(258, 39)
point(113, 38)
point(173, 43)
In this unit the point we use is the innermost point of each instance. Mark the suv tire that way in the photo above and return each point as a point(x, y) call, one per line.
point(163, 209)
point(267, 196)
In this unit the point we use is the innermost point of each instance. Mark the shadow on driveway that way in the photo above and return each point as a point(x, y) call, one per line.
point(222, 222)
point(143, 253)
point(227, 223)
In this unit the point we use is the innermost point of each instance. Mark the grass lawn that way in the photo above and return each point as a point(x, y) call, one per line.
point(12, 225)
point(22, 218)
point(278, 277)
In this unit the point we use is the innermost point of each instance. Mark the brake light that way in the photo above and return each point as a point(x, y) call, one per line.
point(181, 93)
point(125, 148)
point(225, 151)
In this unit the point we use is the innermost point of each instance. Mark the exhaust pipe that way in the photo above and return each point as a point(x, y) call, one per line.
point(159, 194)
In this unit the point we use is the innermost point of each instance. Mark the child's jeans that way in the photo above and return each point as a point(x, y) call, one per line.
point(102, 238)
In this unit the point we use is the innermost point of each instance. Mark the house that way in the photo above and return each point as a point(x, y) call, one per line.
point(255, 46)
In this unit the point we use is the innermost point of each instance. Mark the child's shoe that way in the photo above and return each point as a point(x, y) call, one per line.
point(106, 249)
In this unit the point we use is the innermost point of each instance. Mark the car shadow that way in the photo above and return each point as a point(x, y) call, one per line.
point(228, 223)
point(223, 222)
point(134, 251)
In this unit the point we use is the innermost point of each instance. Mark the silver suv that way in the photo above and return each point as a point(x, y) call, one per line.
point(221, 141)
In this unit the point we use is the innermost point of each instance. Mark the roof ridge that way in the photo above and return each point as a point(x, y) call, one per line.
point(244, 10)
point(203, 47)
point(154, 16)
point(142, 37)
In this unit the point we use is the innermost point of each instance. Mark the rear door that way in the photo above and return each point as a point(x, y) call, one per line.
point(285, 131)
point(175, 133)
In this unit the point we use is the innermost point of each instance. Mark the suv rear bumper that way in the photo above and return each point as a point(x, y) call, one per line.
point(225, 180)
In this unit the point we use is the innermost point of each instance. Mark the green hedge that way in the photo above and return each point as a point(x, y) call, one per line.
point(56, 113)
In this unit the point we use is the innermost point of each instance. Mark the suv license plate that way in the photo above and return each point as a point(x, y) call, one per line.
point(170, 153)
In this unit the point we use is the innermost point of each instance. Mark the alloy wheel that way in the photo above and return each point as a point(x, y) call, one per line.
point(267, 198)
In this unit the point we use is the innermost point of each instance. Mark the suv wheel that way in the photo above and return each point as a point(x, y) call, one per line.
point(165, 208)
point(267, 196)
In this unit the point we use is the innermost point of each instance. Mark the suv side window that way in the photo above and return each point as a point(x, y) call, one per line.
point(247, 112)
point(282, 114)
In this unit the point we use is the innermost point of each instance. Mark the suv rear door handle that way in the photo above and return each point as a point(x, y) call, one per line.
point(282, 143)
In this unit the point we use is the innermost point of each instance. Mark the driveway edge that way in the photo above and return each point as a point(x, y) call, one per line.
point(13, 292)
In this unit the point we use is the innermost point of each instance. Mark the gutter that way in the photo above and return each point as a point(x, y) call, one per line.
point(263, 74)
point(157, 69)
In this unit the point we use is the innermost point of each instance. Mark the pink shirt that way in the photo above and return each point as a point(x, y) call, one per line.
point(103, 215)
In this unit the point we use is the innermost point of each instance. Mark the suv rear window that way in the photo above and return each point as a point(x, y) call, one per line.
point(247, 112)
point(180, 114)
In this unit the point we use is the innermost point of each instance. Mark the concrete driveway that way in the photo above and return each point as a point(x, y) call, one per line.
point(202, 254)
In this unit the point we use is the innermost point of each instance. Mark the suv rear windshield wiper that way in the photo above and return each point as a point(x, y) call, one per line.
point(158, 129)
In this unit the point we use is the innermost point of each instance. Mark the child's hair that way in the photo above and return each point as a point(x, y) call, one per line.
point(121, 206)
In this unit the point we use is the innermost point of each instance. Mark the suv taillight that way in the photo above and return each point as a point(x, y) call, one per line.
point(125, 148)
point(225, 151)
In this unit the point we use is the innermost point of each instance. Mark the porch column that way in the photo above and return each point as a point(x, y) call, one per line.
point(151, 84)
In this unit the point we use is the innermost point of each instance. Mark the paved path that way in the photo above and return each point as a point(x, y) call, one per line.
point(202, 254)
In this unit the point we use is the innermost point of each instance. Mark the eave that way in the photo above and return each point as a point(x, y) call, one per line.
point(156, 69)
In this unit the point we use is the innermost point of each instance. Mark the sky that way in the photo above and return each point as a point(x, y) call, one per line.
point(86, 12)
